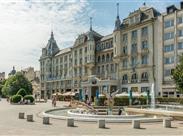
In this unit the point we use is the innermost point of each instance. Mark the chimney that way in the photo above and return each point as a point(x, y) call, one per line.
point(181, 5)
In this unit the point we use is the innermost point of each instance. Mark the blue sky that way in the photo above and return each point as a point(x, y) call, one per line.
point(26, 24)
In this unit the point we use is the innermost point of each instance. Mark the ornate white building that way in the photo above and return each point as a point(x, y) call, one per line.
point(132, 57)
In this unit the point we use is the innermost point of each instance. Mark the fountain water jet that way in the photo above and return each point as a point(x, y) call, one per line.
point(152, 97)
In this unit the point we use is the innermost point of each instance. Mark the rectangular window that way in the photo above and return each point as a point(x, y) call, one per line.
point(169, 60)
point(133, 60)
point(125, 50)
point(180, 45)
point(98, 69)
point(134, 34)
point(144, 45)
point(180, 33)
point(125, 63)
point(179, 20)
point(125, 38)
point(145, 59)
point(134, 48)
point(168, 23)
point(144, 31)
point(167, 72)
point(168, 48)
point(145, 89)
point(169, 35)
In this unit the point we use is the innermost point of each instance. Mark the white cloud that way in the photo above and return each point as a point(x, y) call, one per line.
point(26, 26)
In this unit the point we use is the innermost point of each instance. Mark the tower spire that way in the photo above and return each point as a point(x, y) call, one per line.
point(52, 36)
point(117, 5)
point(90, 23)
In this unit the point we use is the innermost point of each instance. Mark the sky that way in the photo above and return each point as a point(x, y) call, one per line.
point(26, 25)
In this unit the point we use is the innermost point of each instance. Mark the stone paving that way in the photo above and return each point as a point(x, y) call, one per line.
point(11, 125)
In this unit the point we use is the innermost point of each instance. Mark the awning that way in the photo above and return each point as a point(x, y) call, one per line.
point(58, 93)
point(69, 94)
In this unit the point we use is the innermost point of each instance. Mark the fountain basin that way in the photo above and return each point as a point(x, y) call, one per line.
point(57, 114)
point(158, 112)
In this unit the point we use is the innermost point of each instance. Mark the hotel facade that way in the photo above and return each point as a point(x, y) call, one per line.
point(140, 53)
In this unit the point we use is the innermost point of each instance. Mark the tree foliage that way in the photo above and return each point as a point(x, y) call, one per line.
point(177, 74)
point(22, 92)
point(1, 86)
point(15, 83)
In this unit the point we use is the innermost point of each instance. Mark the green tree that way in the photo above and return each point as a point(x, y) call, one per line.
point(177, 74)
point(1, 86)
point(15, 83)
point(22, 92)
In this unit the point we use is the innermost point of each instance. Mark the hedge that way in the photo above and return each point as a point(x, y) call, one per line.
point(29, 97)
point(169, 100)
point(21, 92)
point(124, 100)
point(16, 98)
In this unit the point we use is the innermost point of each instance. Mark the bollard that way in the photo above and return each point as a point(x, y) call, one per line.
point(101, 123)
point(30, 118)
point(166, 123)
point(46, 120)
point(136, 124)
point(70, 122)
point(21, 115)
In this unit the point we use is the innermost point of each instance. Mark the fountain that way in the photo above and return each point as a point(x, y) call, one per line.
point(152, 97)
point(110, 99)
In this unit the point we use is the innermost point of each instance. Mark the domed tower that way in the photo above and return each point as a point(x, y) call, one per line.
point(117, 35)
point(90, 48)
point(52, 47)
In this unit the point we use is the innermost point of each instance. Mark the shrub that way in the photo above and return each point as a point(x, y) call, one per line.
point(21, 92)
point(29, 97)
point(142, 100)
point(101, 100)
point(121, 101)
point(61, 98)
point(16, 98)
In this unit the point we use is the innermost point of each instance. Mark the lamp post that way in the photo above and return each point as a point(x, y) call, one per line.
point(80, 90)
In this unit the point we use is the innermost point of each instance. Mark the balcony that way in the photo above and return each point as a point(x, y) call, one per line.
point(145, 51)
point(134, 81)
point(124, 81)
point(144, 80)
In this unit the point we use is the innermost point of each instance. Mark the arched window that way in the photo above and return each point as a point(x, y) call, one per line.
point(134, 78)
point(98, 58)
point(144, 76)
point(107, 57)
point(103, 58)
point(125, 78)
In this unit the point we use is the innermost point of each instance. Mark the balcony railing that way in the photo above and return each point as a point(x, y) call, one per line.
point(145, 51)
point(144, 80)
point(134, 81)
point(124, 81)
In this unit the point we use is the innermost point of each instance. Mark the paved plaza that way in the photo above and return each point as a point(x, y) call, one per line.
point(11, 125)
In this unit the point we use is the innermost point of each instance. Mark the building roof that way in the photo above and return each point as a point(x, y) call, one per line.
point(106, 37)
point(66, 50)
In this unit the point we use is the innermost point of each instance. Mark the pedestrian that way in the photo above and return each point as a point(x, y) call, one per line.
point(55, 101)
point(119, 111)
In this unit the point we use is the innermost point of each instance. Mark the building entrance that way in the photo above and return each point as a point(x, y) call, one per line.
point(94, 89)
